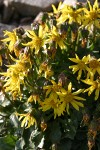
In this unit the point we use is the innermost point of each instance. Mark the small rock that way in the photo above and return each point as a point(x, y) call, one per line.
point(70, 2)
point(26, 20)
point(1, 2)
point(32, 7)
point(7, 12)
point(84, 1)
point(74, 2)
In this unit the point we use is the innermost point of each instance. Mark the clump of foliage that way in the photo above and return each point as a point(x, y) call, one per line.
point(50, 81)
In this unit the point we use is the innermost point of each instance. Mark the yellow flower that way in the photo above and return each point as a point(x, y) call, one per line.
point(94, 85)
point(13, 85)
point(58, 9)
point(33, 98)
point(52, 102)
point(59, 99)
point(92, 16)
point(28, 120)
point(58, 38)
point(94, 66)
point(67, 98)
point(69, 14)
point(46, 69)
point(15, 75)
point(53, 88)
point(37, 41)
point(11, 39)
point(80, 66)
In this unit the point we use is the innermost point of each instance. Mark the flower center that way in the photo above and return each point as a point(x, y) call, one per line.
point(53, 104)
point(81, 65)
point(93, 15)
point(56, 38)
point(73, 15)
point(94, 64)
point(38, 41)
point(69, 98)
point(56, 88)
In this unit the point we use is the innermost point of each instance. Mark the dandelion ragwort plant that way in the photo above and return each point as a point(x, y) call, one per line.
point(50, 81)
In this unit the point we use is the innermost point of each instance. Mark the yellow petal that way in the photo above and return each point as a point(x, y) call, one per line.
point(54, 9)
point(75, 105)
point(24, 121)
point(61, 94)
point(89, 5)
point(70, 87)
point(97, 94)
point(79, 104)
point(78, 92)
point(96, 5)
point(79, 74)
point(40, 31)
point(74, 60)
point(79, 98)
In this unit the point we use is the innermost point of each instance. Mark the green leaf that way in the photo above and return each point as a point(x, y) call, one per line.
point(14, 120)
point(55, 134)
point(37, 138)
point(65, 145)
point(7, 143)
point(20, 144)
